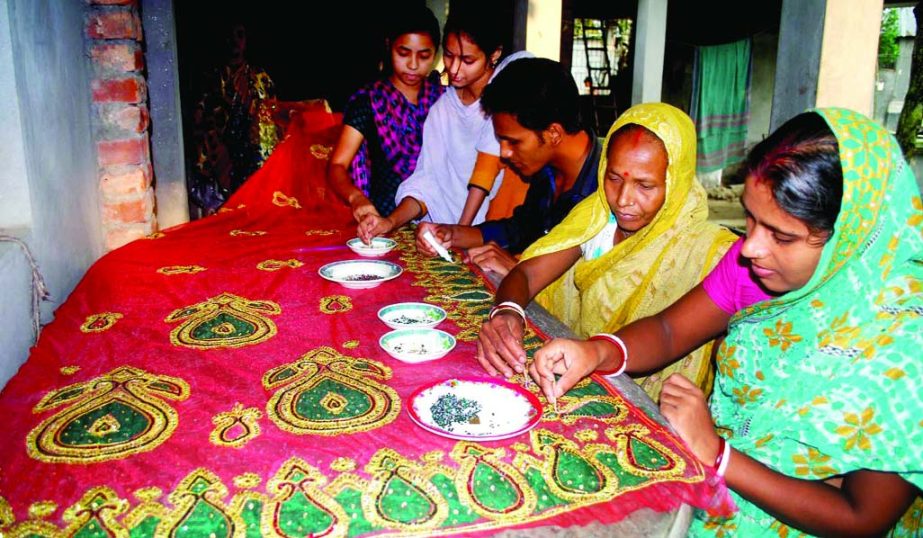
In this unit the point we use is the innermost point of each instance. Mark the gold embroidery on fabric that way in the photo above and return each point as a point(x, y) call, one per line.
point(587, 435)
point(324, 375)
point(225, 321)
point(594, 482)
point(6, 514)
point(181, 270)
point(229, 209)
point(148, 509)
point(350, 344)
point(32, 529)
point(69, 370)
point(275, 265)
point(396, 477)
point(281, 200)
point(245, 233)
point(521, 447)
point(98, 323)
point(343, 465)
point(110, 417)
point(253, 504)
point(200, 492)
point(478, 466)
point(237, 427)
point(42, 509)
point(450, 285)
point(433, 456)
point(335, 304)
point(96, 513)
point(321, 232)
point(299, 484)
point(320, 151)
point(662, 464)
point(401, 495)
point(569, 409)
point(247, 481)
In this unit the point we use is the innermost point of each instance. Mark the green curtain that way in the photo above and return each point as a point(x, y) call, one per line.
point(721, 104)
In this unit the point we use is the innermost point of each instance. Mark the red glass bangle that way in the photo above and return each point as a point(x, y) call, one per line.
point(721, 460)
point(617, 342)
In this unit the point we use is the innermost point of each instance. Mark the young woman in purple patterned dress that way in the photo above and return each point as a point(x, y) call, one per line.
point(383, 121)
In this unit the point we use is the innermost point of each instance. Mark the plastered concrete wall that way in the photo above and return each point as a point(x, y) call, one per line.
point(53, 103)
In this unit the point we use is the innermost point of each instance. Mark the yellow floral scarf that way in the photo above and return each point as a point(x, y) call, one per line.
point(650, 270)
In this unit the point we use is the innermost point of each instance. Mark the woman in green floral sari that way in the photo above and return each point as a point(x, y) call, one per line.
point(816, 421)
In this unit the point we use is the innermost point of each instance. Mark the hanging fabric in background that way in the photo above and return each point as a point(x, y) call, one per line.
point(720, 105)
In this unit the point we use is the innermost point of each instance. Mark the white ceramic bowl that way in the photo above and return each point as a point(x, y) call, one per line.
point(417, 345)
point(379, 247)
point(411, 315)
point(360, 274)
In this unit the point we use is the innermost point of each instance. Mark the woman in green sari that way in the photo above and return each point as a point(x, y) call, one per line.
point(815, 420)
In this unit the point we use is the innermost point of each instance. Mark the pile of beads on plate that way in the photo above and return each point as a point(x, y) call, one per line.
point(449, 410)
point(361, 278)
point(407, 320)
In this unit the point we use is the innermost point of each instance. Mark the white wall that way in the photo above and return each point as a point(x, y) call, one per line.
point(50, 72)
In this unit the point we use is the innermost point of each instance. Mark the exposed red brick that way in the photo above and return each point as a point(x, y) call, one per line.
point(131, 118)
point(125, 57)
point(130, 210)
point(126, 151)
point(120, 90)
point(122, 235)
point(114, 24)
point(125, 181)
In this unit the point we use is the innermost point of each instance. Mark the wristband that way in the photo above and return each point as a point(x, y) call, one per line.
point(724, 454)
point(507, 305)
point(613, 339)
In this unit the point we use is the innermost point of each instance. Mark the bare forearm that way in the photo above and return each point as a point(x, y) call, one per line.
point(472, 205)
point(657, 341)
point(515, 287)
point(465, 236)
point(405, 211)
point(341, 183)
point(855, 509)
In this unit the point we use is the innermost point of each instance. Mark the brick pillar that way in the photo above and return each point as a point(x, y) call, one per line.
point(121, 120)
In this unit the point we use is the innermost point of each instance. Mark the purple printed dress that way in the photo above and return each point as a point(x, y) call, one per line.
point(393, 132)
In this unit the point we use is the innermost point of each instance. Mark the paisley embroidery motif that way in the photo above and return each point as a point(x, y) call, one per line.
point(496, 490)
point(335, 304)
point(282, 200)
point(200, 510)
point(236, 427)
point(400, 495)
point(98, 323)
point(107, 418)
point(641, 455)
point(299, 506)
point(326, 393)
point(181, 269)
point(225, 321)
point(275, 265)
point(95, 514)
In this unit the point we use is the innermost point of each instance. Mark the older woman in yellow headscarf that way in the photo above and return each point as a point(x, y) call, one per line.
point(629, 251)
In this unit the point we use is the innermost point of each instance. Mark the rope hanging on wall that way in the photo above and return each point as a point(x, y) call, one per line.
point(39, 290)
